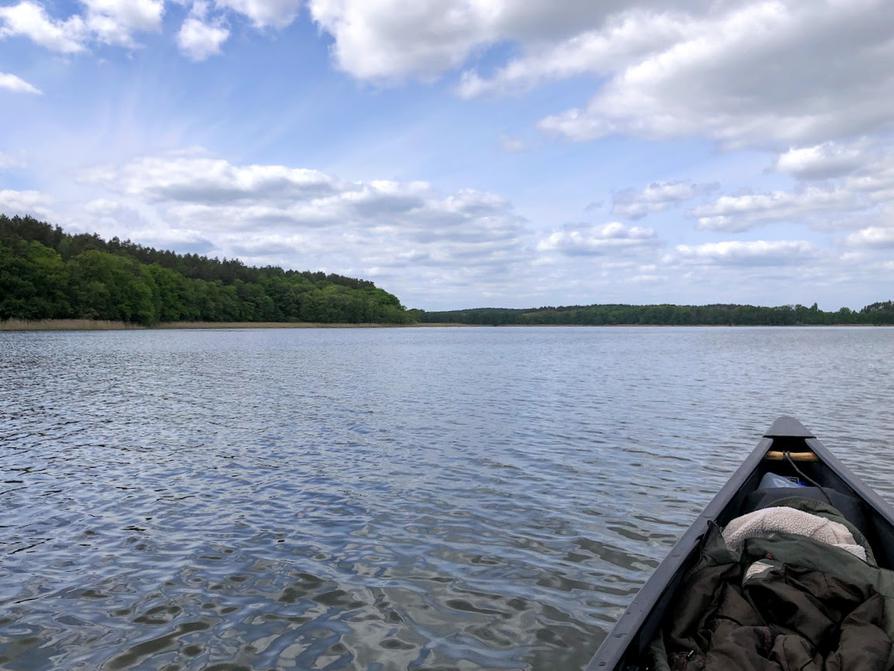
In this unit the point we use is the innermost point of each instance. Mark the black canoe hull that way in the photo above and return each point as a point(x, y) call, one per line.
point(623, 648)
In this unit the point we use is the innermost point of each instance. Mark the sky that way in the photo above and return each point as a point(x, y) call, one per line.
point(467, 153)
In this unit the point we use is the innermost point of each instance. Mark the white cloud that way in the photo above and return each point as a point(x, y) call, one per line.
point(441, 250)
point(390, 39)
point(200, 39)
point(841, 185)
point(874, 237)
point(16, 84)
point(745, 72)
point(744, 212)
point(28, 19)
point(822, 161)
point(387, 39)
point(436, 249)
point(265, 13)
point(600, 51)
point(126, 220)
point(307, 219)
point(761, 73)
point(751, 252)
point(32, 203)
point(584, 240)
point(212, 182)
point(875, 179)
point(105, 21)
point(656, 197)
point(115, 21)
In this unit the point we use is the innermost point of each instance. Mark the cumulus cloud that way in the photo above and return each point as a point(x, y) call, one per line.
point(761, 73)
point(839, 185)
point(200, 37)
point(111, 22)
point(115, 21)
point(874, 179)
point(874, 237)
point(585, 240)
point(823, 161)
point(656, 197)
point(625, 37)
point(30, 20)
point(388, 39)
point(749, 72)
point(744, 212)
point(709, 83)
point(433, 249)
point(32, 203)
point(16, 84)
point(306, 218)
point(751, 252)
point(211, 182)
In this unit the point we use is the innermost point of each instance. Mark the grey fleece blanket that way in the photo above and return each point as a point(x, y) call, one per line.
point(764, 522)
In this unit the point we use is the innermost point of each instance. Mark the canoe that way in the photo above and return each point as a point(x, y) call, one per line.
point(787, 440)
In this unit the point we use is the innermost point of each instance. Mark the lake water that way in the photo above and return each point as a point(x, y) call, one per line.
point(383, 499)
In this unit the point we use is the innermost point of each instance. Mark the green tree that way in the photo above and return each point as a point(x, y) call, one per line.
point(33, 281)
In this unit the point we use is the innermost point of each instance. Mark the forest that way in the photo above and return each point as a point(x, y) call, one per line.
point(665, 315)
point(46, 273)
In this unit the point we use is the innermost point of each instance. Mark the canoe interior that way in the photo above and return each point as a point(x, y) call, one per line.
point(623, 648)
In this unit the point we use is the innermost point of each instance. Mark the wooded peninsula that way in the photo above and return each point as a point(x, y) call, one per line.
point(48, 274)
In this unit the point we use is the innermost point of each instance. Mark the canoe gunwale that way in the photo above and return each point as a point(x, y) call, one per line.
point(670, 570)
point(636, 628)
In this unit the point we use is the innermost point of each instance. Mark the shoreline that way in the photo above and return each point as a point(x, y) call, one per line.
point(105, 325)
point(20, 325)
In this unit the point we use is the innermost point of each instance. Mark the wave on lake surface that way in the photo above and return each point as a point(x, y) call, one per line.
point(369, 499)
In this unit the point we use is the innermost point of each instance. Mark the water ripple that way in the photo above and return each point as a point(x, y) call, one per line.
point(382, 499)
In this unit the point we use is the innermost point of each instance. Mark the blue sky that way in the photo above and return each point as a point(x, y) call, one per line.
point(471, 152)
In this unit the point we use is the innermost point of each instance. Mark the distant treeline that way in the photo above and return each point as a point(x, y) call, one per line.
point(46, 273)
point(665, 315)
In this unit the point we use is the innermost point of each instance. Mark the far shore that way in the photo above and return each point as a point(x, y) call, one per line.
point(102, 325)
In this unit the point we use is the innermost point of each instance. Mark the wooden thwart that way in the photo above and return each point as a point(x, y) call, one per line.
point(779, 455)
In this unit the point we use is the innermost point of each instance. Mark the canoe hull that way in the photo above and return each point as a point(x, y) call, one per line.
point(623, 648)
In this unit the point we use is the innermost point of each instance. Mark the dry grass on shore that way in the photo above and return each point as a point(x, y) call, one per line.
point(99, 325)
point(267, 325)
point(63, 325)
